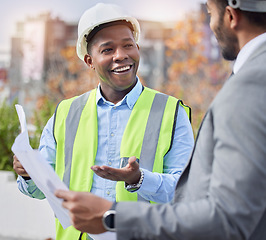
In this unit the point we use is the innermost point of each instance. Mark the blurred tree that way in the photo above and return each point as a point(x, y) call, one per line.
point(9, 129)
point(44, 110)
point(69, 78)
point(193, 76)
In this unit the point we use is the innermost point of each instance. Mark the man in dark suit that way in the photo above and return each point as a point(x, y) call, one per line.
point(222, 192)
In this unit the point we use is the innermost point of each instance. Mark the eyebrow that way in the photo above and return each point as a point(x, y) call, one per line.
point(106, 44)
point(110, 42)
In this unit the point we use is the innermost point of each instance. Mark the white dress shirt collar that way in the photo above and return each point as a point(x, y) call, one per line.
point(130, 98)
point(247, 50)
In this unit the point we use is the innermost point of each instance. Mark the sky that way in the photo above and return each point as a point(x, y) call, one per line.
point(12, 11)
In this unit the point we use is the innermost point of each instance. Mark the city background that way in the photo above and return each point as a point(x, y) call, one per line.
point(39, 68)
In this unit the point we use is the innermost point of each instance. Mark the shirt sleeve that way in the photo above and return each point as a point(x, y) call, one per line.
point(158, 187)
point(47, 148)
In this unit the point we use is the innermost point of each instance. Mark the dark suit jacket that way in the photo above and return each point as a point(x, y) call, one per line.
point(222, 192)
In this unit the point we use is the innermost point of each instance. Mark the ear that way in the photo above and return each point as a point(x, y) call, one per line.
point(88, 61)
point(232, 16)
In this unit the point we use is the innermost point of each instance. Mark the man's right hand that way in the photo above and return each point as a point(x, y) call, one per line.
point(85, 209)
point(19, 169)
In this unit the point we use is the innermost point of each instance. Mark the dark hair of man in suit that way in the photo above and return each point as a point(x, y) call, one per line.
point(255, 18)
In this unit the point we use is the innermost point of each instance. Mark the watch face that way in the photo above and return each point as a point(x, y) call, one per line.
point(109, 220)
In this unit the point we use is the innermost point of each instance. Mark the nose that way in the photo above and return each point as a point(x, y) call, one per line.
point(120, 54)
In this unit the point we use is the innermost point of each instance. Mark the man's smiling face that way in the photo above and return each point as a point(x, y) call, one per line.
point(114, 55)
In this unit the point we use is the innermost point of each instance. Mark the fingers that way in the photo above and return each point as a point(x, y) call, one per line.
point(70, 201)
point(19, 169)
point(106, 172)
point(70, 198)
point(63, 194)
point(129, 173)
point(85, 210)
point(132, 162)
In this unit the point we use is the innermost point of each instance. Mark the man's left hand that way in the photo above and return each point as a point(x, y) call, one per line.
point(129, 174)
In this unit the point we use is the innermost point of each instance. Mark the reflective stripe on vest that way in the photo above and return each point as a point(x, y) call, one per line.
point(72, 122)
point(152, 131)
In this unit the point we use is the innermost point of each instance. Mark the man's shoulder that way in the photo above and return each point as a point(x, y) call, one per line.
point(69, 101)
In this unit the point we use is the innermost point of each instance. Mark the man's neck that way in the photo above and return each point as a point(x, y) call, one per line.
point(246, 32)
point(115, 96)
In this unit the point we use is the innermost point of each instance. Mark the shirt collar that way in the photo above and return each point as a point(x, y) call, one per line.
point(247, 50)
point(130, 99)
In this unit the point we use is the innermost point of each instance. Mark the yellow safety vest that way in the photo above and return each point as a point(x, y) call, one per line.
point(148, 136)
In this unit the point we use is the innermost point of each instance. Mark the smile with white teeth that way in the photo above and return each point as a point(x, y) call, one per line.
point(122, 69)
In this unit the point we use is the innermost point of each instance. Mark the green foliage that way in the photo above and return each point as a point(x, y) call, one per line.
point(41, 116)
point(9, 129)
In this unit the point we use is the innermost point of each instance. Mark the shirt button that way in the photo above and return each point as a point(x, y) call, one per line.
point(108, 192)
point(109, 163)
point(112, 134)
point(114, 107)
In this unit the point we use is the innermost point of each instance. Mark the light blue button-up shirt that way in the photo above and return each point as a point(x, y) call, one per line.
point(112, 120)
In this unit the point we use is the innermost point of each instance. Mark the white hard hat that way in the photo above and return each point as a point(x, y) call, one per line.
point(249, 5)
point(99, 14)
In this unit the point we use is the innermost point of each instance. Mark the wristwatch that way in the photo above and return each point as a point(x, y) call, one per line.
point(134, 187)
point(109, 220)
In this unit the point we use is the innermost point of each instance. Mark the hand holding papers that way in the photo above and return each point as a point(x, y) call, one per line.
point(39, 170)
point(43, 175)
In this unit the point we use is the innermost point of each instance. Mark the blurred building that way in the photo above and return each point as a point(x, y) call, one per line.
point(35, 51)
point(4, 60)
point(4, 89)
point(153, 63)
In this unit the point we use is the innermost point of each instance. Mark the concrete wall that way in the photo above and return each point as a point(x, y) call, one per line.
point(22, 217)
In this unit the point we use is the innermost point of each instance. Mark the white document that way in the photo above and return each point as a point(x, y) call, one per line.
point(39, 170)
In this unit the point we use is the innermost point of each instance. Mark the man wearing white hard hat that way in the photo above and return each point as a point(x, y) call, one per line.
point(221, 194)
point(100, 130)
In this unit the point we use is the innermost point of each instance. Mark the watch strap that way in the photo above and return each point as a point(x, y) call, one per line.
point(135, 187)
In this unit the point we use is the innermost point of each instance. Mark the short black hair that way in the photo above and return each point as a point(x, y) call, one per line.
point(255, 18)
point(89, 37)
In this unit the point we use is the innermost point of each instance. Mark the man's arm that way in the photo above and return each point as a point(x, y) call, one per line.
point(47, 149)
point(155, 186)
point(233, 204)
